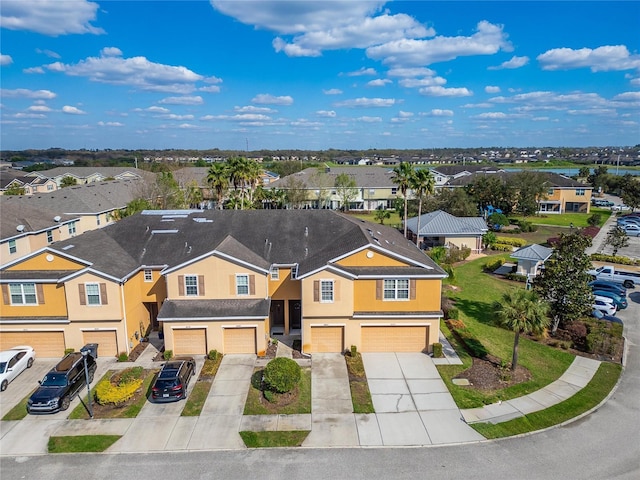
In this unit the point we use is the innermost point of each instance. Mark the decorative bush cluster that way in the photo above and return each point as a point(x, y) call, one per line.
point(493, 265)
point(213, 355)
point(281, 374)
point(516, 277)
point(502, 247)
point(614, 259)
point(120, 387)
point(516, 242)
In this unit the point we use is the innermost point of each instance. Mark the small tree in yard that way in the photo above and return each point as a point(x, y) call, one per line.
point(617, 238)
point(282, 374)
point(522, 312)
point(381, 215)
point(564, 281)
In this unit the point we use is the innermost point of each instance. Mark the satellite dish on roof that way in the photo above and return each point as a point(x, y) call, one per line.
point(57, 218)
point(20, 228)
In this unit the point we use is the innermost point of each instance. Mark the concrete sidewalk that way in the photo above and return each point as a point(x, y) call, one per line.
point(576, 377)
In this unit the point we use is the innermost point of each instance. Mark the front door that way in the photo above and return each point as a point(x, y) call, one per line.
point(295, 314)
point(276, 315)
point(152, 308)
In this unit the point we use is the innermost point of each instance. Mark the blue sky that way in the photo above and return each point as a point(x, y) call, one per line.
point(318, 74)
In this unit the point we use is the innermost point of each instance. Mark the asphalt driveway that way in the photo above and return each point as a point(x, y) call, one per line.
point(412, 403)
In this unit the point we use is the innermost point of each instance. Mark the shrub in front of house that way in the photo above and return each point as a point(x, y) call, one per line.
point(120, 387)
point(493, 265)
point(281, 374)
point(437, 350)
point(516, 242)
point(502, 247)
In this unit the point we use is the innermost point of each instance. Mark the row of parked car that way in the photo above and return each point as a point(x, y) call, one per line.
point(68, 377)
point(609, 297)
point(630, 224)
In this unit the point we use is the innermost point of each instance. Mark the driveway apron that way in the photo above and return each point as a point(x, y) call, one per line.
point(412, 403)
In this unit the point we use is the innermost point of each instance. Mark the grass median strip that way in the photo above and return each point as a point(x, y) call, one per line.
point(198, 396)
point(590, 396)
point(81, 443)
point(292, 438)
point(19, 411)
point(360, 394)
point(295, 402)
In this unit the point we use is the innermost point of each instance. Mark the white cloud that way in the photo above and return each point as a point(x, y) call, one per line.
point(362, 71)
point(318, 26)
point(492, 89)
point(367, 102)
point(366, 119)
point(410, 72)
point(406, 52)
point(379, 82)
point(402, 114)
point(136, 72)
point(254, 109)
point(50, 17)
point(268, 99)
point(38, 108)
point(421, 82)
point(628, 96)
point(73, 110)
point(5, 60)
point(111, 52)
point(25, 93)
point(515, 62)
point(602, 59)
point(38, 70)
point(152, 109)
point(332, 91)
point(173, 116)
point(210, 89)
point(437, 112)
point(243, 117)
point(326, 113)
point(439, 91)
point(492, 115)
point(110, 124)
point(48, 53)
point(193, 100)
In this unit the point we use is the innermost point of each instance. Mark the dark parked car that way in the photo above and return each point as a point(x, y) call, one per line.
point(62, 384)
point(610, 286)
point(601, 316)
point(173, 380)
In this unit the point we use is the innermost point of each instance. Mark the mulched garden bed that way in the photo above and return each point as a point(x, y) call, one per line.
point(488, 374)
point(137, 351)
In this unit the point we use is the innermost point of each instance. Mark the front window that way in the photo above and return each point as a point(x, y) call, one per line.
point(49, 187)
point(72, 228)
point(49, 236)
point(148, 275)
point(191, 285)
point(98, 220)
point(23, 293)
point(394, 191)
point(93, 293)
point(580, 192)
point(242, 284)
point(550, 191)
point(13, 248)
point(275, 273)
point(396, 289)
point(326, 291)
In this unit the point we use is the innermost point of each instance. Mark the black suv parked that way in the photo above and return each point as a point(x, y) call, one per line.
point(173, 380)
point(62, 383)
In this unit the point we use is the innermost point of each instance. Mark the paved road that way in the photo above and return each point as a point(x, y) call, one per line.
point(603, 445)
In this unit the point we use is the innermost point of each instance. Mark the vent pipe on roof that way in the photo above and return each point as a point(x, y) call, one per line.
point(57, 218)
point(306, 231)
point(20, 228)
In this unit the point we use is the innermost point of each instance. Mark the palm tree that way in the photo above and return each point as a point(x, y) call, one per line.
point(402, 177)
point(218, 178)
point(422, 184)
point(523, 312)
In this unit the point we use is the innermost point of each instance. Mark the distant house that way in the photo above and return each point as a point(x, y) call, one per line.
point(443, 229)
point(531, 258)
point(374, 187)
point(83, 175)
point(16, 178)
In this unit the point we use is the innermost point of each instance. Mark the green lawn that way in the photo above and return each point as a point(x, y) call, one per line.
point(19, 411)
point(81, 443)
point(256, 404)
point(394, 221)
point(292, 438)
point(474, 293)
point(589, 397)
point(566, 219)
point(360, 393)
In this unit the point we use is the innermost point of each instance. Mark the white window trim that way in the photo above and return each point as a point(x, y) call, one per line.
point(72, 228)
point(13, 245)
point(24, 302)
point(333, 295)
point(86, 294)
point(49, 236)
point(150, 272)
point(186, 286)
point(396, 289)
point(275, 273)
point(243, 275)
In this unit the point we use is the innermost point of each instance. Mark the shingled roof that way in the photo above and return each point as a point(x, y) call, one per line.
point(311, 239)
